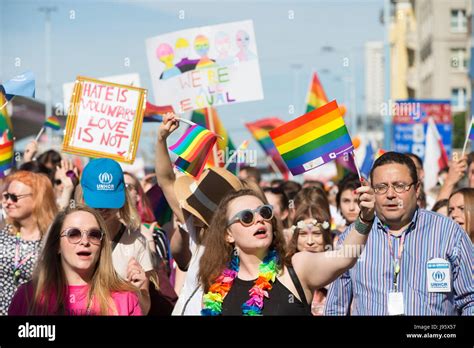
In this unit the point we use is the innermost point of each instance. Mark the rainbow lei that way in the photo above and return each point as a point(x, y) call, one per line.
point(268, 271)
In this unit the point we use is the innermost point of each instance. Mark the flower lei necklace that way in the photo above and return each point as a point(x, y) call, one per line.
point(267, 272)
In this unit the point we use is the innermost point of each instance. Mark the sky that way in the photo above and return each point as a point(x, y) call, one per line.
point(102, 38)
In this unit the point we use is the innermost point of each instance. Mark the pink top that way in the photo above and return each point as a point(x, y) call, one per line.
point(76, 301)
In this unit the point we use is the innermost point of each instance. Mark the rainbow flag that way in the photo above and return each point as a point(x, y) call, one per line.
point(316, 95)
point(471, 131)
point(379, 153)
point(6, 140)
point(154, 113)
point(224, 144)
point(193, 149)
point(313, 139)
point(52, 122)
point(259, 131)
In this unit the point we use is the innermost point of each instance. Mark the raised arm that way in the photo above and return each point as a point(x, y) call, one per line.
point(457, 170)
point(163, 166)
point(319, 269)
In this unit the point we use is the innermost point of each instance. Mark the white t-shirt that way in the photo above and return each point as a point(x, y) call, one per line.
point(131, 244)
point(190, 297)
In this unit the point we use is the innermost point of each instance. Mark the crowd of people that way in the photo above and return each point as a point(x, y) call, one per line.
point(86, 241)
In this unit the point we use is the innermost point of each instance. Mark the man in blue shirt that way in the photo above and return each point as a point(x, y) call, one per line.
point(415, 262)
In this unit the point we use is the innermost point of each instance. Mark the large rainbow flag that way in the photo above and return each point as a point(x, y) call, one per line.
point(6, 139)
point(224, 144)
point(259, 131)
point(316, 95)
point(313, 139)
point(193, 149)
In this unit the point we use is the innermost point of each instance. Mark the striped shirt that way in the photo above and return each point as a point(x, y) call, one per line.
point(364, 289)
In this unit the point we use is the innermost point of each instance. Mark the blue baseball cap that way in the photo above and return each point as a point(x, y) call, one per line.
point(103, 184)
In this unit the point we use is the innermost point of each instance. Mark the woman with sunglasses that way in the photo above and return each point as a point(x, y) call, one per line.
point(29, 207)
point(243, 270)
point(75, 274)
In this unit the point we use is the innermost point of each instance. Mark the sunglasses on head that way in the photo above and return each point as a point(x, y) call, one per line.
point(74, 235)
point(14, 197)
point(247, 217)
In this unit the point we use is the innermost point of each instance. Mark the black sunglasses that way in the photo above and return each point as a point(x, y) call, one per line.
point(14, 197)
point(247, 217)
point(74, 235)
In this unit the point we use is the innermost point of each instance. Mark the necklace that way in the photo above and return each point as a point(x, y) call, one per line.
point(267, 272)
point(17, 264)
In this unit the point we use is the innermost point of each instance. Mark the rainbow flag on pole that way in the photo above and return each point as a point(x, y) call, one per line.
point(313, 139)
point(52, 122)
point(259, 131)
point(193, 149)
point(316, 95)
point(471, 130)
point(154, 113)
point(6, 140)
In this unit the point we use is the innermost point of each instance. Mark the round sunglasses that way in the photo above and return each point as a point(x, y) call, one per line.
point(74, 235)
point(247, 217)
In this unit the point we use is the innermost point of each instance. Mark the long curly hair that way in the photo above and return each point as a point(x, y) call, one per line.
point(218, 251)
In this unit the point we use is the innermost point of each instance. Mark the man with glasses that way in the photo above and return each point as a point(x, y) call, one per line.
point(415, 262)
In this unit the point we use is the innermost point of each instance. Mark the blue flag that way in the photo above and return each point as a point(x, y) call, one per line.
point(22, 85)
point(368, 161)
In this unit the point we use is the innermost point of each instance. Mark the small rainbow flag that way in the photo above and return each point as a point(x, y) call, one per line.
point(316, 95)
point(313, 139)
point(52, 122)
point(259, 131)
point(154, 113)
point(471, 131)
point(193, 149)
point(6, 140)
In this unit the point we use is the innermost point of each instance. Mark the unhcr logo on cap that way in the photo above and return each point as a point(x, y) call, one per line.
point(105, 180)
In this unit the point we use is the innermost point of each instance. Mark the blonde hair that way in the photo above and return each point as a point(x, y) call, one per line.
point(128, 212)
point(49, 282)
point(44, 204)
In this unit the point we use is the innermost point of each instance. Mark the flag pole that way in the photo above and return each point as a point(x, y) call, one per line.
point(40, 133)
point(356, 166)
point(211, 128)
point(467, 139)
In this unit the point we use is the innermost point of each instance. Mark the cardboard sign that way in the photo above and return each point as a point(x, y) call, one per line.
point(203, 67)
point(105, 120)
point(132, 79)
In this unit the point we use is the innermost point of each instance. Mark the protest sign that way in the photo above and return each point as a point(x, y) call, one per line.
point(105, 120)
point(206, 66)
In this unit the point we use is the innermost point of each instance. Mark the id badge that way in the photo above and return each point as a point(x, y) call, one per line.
point(395, 303)
point(438, 275)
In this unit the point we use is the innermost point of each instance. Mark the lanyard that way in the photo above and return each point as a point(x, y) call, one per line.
point(396, 261)
point(17, 264)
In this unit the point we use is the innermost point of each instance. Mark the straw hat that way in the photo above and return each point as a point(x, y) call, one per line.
point(201, 197)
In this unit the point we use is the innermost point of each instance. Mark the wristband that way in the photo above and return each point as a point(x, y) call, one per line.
point(71, 174)
point(362, 228)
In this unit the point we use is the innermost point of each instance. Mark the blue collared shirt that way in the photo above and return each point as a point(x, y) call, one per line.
point(364, 289)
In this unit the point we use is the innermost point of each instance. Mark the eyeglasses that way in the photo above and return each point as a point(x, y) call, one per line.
point(398, 187)
point(14, 197)
point(74, 235)
point(247, 217)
